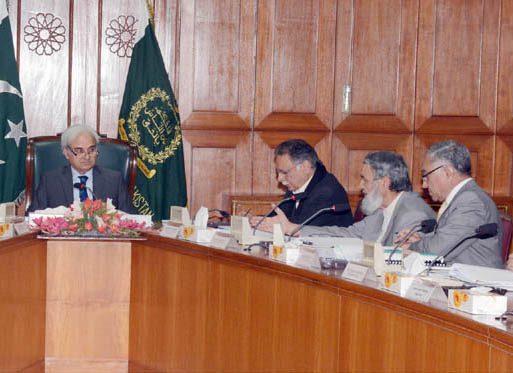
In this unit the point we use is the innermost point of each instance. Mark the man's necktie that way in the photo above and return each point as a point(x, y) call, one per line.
point(83, 188)
point(441, 210)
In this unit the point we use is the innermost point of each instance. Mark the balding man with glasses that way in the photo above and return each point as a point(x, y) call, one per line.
point(466, 206)
point(57, 187)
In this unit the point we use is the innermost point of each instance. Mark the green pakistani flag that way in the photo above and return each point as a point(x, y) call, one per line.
point(13, 133)
point(149, 118)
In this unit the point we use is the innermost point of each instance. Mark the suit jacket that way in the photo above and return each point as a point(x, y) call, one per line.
point(470, 208)
point(409, 212)
point(324, 190)
point(56, 189)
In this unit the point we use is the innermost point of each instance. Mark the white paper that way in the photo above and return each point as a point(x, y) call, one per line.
point(355, 272)
point(479, 275)
point(420, 292)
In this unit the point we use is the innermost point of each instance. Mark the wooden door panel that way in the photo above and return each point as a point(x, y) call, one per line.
point(84, 75)
point(481, 155)
point(216, 63)
point(115, 60)
point(349, 150)
point(216, 162)
point(505, 88)
point(503, 182)
point(294, 71)
point(457, 66)
point(44, 70)
point(264, 175)
point(378, 63)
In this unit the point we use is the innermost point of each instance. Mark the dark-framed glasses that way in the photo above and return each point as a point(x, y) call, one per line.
point(80, 152)
point(425, 175)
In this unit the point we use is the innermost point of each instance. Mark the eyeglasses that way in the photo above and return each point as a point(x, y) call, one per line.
point(285, 172)
point(80, 152)
point(424, 176)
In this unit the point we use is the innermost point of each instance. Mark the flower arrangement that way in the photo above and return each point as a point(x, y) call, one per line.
point(90, 218)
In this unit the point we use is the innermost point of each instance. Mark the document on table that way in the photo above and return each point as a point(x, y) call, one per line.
point(501, 278)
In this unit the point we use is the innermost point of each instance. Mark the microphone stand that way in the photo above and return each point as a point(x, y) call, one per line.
point(294, 197)
point(480, 233)
point(335, 208)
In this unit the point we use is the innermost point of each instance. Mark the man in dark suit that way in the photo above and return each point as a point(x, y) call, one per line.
point(299, 169)
point(81, 179)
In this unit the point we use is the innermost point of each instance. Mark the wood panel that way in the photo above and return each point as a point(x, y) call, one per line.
point(255, 321)
point(349, 150)
point(244, 313)
point(295, 65)
point(83, 102)
point(505, 75)
point(44, 71)
point(22, 304)
point(88, 295)
point(375, 56)
point(264, 174)
point(457, 66)
point(481, 155)
point(385, 332)
point(119, 20)
point(216, 63)
point(216, 162)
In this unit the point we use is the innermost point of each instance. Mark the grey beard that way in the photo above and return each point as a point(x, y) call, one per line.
point(372, 201)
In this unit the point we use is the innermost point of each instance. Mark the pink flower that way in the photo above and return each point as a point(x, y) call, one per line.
point(88, 226)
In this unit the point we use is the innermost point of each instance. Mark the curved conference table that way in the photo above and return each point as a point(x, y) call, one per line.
point(192, 308)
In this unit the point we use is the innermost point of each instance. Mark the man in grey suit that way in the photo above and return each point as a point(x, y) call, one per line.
point(446, 174)
point(81, 177)
point(389, 204)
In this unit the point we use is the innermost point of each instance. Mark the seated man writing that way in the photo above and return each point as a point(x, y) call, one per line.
point(58, 187)
point(389, 204)
point(299, 169)
point(446, 174)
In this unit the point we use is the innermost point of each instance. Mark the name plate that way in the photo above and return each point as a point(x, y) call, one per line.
point(307, 258)
point(420, 291)
point(355, 272)
point(22, 228)
point(170, 231)
point(220, 240)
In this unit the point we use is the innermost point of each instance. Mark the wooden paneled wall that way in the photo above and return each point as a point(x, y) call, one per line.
point(249, 74)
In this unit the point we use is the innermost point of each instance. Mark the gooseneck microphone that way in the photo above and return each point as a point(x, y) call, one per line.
point(81, 186)
point(481, 232)
point(339, 207)
point(425, 226)
point(294, 197)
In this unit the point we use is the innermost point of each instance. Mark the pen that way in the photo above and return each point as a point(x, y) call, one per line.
point(247, 212)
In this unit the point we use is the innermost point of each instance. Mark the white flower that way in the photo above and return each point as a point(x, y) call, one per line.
point(110, 206)
point(75, 210)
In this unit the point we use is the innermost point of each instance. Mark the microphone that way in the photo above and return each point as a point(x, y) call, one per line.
point(339, 207)
point(426, 226)
point(294, 197)
point(481, 232)
point(81, 186)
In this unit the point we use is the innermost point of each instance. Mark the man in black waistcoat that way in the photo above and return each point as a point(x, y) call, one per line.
point(299, 169)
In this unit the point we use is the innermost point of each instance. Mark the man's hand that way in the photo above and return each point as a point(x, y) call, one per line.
point(412, 239)
point(268, 224)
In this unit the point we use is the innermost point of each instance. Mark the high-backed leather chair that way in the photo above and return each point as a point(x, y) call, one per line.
point(44, 153)
point(507, 230)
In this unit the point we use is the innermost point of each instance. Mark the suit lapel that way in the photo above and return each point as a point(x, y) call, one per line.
point(67, 185)
point(392, 219)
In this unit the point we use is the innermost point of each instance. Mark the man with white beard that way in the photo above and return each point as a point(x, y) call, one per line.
point(389, 203)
